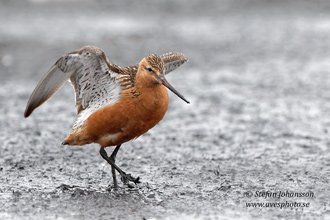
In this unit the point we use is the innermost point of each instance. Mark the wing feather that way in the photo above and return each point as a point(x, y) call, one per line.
point(49, 84)
point(94, 78)
point(173, 61)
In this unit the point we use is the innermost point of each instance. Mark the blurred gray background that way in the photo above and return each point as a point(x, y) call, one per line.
point(258, 82)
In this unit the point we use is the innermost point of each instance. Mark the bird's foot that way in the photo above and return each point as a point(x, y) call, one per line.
point(127, 178)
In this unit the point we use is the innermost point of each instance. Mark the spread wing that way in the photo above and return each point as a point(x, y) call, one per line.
point(93, 76)
point(173, 61)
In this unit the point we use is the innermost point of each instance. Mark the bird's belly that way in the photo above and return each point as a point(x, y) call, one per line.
point(126, 120)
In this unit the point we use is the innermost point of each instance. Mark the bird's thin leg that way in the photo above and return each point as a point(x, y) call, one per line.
point(113, 170)
point(124, 177)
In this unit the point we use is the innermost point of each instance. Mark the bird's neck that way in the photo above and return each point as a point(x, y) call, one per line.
point(150, 93)
point(145, 82)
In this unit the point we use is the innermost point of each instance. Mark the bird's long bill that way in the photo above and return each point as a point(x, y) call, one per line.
point(165, 83)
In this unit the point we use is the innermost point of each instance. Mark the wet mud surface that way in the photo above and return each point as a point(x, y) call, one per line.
point(258, 82)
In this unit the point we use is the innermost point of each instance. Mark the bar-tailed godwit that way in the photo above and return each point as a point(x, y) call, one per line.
point(114, 104)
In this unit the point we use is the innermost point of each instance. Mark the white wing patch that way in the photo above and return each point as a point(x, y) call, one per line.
point(95, 85)
point(100, 97)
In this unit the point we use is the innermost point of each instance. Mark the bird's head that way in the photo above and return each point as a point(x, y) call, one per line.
point(152, 70)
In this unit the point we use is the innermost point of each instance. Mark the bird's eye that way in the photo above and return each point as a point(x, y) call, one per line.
point(149, 69)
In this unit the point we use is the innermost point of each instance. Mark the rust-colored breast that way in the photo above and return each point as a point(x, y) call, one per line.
point(127, 119)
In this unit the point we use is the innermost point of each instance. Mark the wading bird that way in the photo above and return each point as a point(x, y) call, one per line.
point(114, 104)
